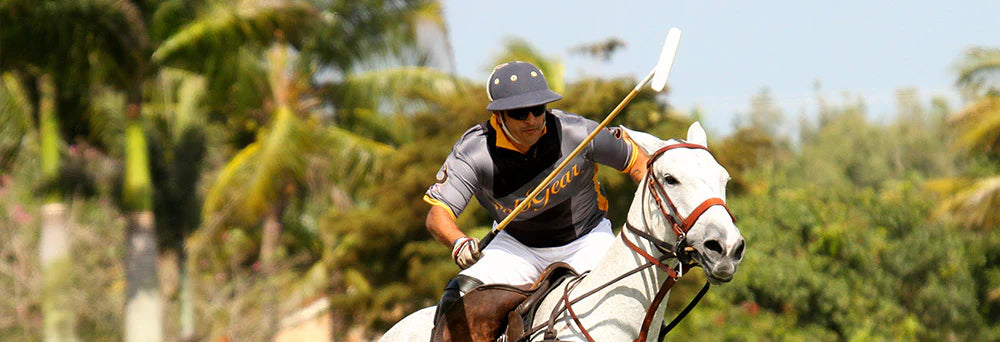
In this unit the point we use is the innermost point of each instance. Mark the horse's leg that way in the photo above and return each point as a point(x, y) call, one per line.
point(413, 328)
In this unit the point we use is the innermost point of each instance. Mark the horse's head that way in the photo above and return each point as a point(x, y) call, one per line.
point(690, 186)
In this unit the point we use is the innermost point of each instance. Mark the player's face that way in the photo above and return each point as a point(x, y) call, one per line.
point(527, 124)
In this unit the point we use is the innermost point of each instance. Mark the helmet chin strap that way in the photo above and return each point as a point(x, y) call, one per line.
point(503, 125)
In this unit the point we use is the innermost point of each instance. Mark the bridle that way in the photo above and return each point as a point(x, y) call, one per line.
point(678, 224)
point(679, 250)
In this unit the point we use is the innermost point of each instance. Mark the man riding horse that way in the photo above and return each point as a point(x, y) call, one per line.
point(501, 161)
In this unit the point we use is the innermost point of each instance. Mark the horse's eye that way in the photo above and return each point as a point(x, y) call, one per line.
point(671, 180)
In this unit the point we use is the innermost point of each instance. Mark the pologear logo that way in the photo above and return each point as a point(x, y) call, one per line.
point(518, 85)
point(442, 175)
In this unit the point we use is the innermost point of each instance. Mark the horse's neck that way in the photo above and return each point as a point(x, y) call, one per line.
point(620, 259)
point(627, 300)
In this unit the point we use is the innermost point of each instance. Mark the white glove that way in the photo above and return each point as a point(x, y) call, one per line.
point(465, 252)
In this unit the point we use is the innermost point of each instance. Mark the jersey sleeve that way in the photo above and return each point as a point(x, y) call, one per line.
point(454, 186)
point(612, 149)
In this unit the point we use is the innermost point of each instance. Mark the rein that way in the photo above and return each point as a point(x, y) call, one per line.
point(679, 251)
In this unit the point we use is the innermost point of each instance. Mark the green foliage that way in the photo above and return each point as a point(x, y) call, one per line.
point(137, 192)
point(17, 121)
point(97, 274)
point(838, 254)
point(406, 268)
point(856, 230)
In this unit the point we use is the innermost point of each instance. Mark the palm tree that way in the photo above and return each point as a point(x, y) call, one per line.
point(54, 243)
point(128, 45)
point(420, 110)
point(979, 123)
point(267, 176)
point(112, 41)
point(57, 62)
point(17, 123)
point(178, 135)
point(973, 200)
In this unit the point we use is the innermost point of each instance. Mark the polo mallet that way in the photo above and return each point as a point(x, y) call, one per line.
point(658, 75)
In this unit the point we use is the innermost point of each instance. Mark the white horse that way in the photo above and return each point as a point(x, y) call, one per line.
point(692, 185)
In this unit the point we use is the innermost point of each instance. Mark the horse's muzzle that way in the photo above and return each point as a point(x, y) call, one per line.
point(719, 263)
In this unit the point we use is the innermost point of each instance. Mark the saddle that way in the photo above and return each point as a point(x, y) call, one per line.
point(487, 312)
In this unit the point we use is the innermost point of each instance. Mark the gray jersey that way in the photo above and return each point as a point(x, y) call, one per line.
point(484, 163)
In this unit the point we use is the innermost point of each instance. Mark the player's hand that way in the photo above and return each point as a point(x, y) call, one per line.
point(465, 252)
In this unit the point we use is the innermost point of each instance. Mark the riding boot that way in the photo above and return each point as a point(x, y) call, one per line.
point(457, 287)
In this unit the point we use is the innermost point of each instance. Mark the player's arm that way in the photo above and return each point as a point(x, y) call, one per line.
point(442, 225)
point(638, 170)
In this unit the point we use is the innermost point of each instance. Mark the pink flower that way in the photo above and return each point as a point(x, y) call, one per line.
point(751, 307)
point(20, 216)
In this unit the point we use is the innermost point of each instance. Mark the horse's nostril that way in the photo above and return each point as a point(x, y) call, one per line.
point(714, 246)
point(738, 253)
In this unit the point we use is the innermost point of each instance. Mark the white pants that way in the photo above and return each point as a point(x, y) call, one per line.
point(507, 261)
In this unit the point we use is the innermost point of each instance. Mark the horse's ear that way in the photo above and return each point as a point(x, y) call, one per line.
point(647, 142)
point(696, 135)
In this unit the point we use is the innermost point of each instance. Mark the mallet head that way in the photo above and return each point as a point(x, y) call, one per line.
point(666, 60)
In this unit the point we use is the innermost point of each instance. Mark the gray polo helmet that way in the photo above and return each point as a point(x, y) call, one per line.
point(517, 85)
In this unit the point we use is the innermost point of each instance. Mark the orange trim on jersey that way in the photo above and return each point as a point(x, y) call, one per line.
point(631, 159)
point(602, 202)
point(432, 201)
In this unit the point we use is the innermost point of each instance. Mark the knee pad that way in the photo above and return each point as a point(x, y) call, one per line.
point(457, 287)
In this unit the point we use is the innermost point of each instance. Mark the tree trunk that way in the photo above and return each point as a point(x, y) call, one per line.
point(268, 245)
point(143, 301)
point(338, 321)
point(143, 304)
point(57, 311)
point(187, 331)
point(58, 314)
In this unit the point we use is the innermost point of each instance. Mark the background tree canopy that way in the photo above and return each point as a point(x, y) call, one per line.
point(276, 153)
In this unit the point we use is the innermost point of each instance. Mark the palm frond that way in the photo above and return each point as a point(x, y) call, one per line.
point(190, 94)
point(980, 71)
point(228, 28)
point(359, 31)
point(74, 39)
point(431, 34)
point(973, 202)
point(979, 125)
point(357, 160)
point(373, 103)
point(16, 122)
point(107, 118)
point(258, 175)
point(370, 89)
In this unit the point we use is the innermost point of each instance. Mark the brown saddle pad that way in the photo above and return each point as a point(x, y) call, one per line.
point(482, 314)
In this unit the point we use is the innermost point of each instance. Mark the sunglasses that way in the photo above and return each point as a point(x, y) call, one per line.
point(522, 113)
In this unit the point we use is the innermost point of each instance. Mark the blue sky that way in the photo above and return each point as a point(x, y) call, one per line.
point(731, 49)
